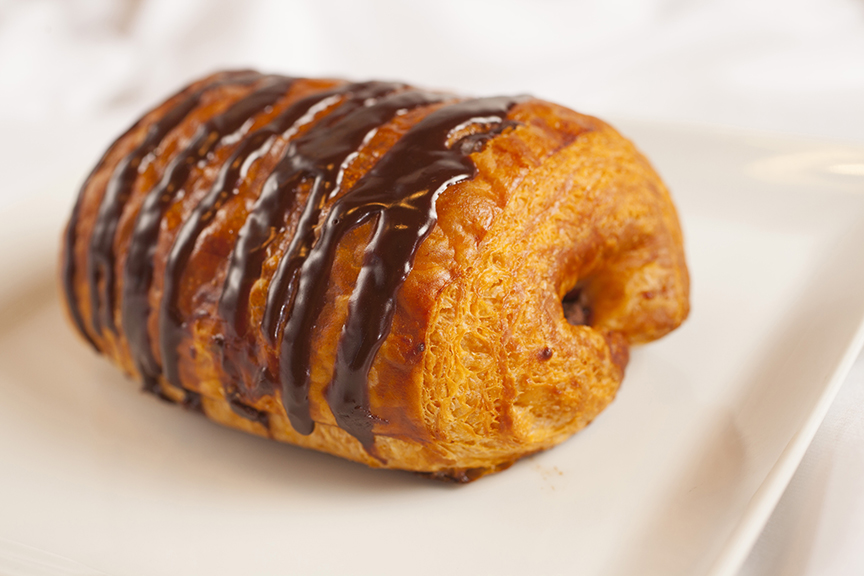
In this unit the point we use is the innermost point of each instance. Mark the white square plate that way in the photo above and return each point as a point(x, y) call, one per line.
point(676, 477)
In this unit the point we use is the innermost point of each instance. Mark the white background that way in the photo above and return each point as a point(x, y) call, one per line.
point(74, 73)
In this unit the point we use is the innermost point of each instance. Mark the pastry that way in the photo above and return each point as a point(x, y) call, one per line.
point(404, 278)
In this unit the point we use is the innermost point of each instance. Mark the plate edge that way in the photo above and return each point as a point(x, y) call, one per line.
point(763, 502)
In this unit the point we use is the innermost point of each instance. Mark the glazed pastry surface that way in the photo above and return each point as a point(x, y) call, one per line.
point(404, 278)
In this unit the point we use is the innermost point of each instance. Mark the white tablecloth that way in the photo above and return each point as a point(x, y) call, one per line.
point(73, 73)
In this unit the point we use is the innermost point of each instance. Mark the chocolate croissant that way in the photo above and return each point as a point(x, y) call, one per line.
point(404, 278)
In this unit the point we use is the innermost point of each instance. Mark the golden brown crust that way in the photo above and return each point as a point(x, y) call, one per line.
point(480, 367)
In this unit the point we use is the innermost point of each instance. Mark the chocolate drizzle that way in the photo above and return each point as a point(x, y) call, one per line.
point(69, 267)
point(170, 317)
point(68, 272)
point(325, 131)
point(323, 156)
point(399, 193)
point(100, 264)
point(246, 411)
point(315, 156)
point(138, 273)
